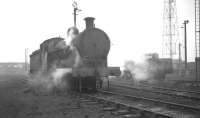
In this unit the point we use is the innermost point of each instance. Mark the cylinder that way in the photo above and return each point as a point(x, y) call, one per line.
point(89, 21)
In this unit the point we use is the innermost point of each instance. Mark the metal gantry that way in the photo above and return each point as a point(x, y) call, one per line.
point(170, 46)
point(197, 38)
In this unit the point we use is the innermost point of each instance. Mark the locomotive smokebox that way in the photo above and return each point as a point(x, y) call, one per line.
point(89, 21)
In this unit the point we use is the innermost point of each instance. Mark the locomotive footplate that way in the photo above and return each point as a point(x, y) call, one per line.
point(102, 72)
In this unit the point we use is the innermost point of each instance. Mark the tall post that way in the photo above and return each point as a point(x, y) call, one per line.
point(26, 60)
point(185, 41)
point(75, 11)
point(179, 48)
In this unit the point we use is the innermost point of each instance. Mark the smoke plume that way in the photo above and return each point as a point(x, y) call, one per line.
point(138, 71)
point(149, 68)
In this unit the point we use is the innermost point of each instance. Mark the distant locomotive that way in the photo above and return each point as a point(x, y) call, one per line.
point(86, 56)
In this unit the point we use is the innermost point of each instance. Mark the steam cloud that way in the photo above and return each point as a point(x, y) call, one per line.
point(58, 75)
point(49, 81)
point(139, 71)
point(56, 78)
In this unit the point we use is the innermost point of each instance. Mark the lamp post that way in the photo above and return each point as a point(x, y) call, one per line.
point(185, 41)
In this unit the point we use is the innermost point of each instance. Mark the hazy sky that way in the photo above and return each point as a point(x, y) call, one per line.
point(134, 27)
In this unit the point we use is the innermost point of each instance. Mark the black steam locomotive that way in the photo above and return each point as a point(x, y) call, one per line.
point(86, 56)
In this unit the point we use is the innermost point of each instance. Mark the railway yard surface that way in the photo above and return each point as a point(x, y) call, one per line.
point(20, 99)
point(17, 100)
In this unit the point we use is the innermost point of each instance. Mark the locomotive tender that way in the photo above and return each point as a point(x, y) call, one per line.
point(87, 59)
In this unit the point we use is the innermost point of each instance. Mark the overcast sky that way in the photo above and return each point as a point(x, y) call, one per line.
point(134, 27)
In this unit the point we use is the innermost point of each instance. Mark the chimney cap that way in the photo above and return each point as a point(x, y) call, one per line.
point(89, 18)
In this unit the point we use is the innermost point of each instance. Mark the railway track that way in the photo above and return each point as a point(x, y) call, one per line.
point(125, 105)
point(165, 87)
point(159, 97)
point(161, 90)
point(170, 89)
point(178, 94)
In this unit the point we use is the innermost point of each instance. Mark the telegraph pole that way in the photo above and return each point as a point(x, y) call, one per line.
point(26, 59)
point(179, 48)
point(180, 60)
point(185, 41)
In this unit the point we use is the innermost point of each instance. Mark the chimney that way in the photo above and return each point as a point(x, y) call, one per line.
point(89, 21)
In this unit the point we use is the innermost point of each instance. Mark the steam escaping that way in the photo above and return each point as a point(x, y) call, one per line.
point(56, 79)
point(58, 74)
point(138, 71)
point(149, 68)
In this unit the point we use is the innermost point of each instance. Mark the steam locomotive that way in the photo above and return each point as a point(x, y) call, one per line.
point(87, 60)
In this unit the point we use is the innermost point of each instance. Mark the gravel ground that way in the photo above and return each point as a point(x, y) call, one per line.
point(19, 100)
